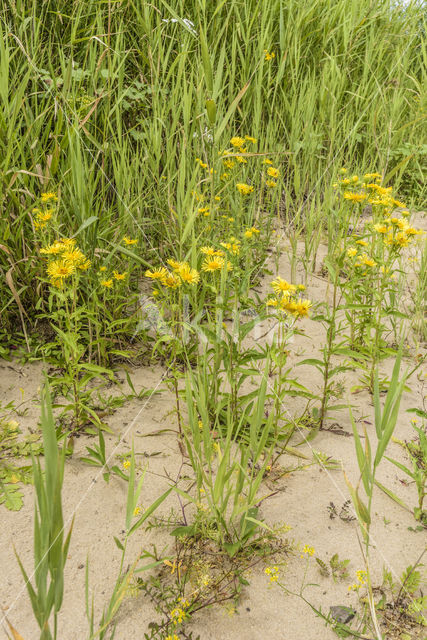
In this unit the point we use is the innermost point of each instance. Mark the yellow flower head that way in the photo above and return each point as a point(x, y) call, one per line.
point(237, 142)
point(271, 184)
point(107, 283)
point(280, 286)
point(366, 260)
point(130, 241)
point(355, 197)
point(210, 251)
point(273, 172)
point(251, 139)
point(171, 280)
point(58, 270)
point(302, 307)
point(267, 161)
point(50, 196)
point(119, 276)
point(362, 243)
point(269, 55)
point(156, 274)
point(188, 275)
point(229, 163)
point(244, 189)
point(351, 252)
point(380, 228)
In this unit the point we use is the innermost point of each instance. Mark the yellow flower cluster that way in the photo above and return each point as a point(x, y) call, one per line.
point(181, 274)
point(67, 260)
point(362, 578)
point(307, 551)
point(269, 55)
point(286, 298)
point(273, 573)
point(369, 192)
point(244, 189)
point(178, 614)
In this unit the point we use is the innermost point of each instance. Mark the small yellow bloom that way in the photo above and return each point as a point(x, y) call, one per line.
point(380, 228)
point(156, 274)
point(130, 241)
point(269, 55)
point(188, 275)
point(50, 196)
point(243, 188)
point(171, 280)
point(213, 263)
point(273, 172)
point(237, 142)
point(210, 251)
point(267, 161)
point(351, 252)
point(307, 550)
point(355, 197)
point(107, 283)
point(279, 285)
point(362, 243)
point(126, 464)
point(251, 139)
point(119, 276)
point(271, 184)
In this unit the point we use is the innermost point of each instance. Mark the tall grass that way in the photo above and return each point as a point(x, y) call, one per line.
point(106, 103)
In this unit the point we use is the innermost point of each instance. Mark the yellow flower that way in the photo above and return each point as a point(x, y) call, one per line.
point(157, 274)
point(372, 176)
point(175, 264)
point(369, 262)
point(272, 302)
point(248, 234)
point(126, 464)
point(103, 268)
point(188, 275)
point(273, 172)
point(237, 142)
point(243, 188)
point(215, 263)
point(302, 307)
point(380, 228)
point(49, 196)
point(204, 210)
point(73, 256)
point(255, 230)
point(309, 551)
point(52, 249)
point(271, 184)
point(273, 573)
point(59, 270)
point(355, 197)
point(241, 160)
point(171, 280)
point(269, 55)
point(130, 241)
point(210, 251)
point(300, 287)
point(362, 243)
point(43, 216)
point(229, 163)
point(201, 163)
point(343, 170)
point(355, 179)
point(351, 252)
point(280, 286)
point(119, 276)
point(251, 139)
point(402, 239)
point(83, 266)
point(267, 161)
point(107, 283)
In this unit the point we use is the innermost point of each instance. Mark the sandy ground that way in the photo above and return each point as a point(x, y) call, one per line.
point(99, 509)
